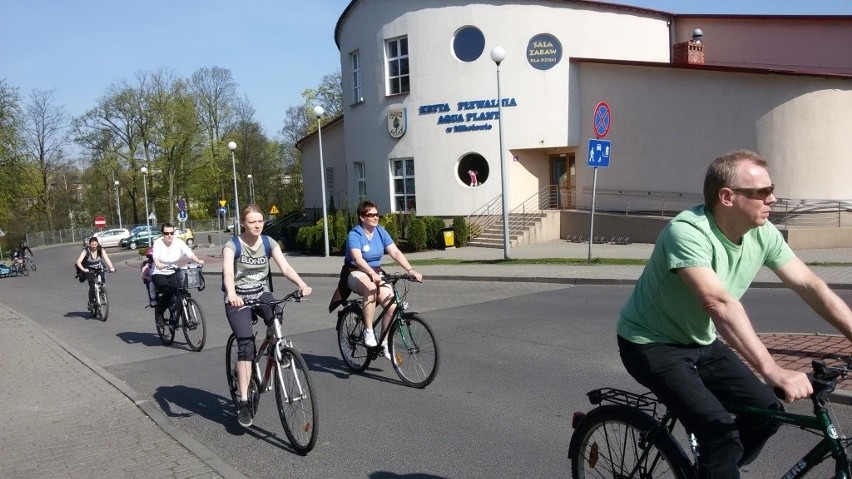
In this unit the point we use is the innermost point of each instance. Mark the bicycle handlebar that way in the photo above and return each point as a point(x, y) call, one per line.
point(824, 378)
point(393, 278)
point(294, 296)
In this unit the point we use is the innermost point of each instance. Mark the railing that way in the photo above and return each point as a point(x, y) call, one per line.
point(519, 218)
point(792, 213)
point(786, 212)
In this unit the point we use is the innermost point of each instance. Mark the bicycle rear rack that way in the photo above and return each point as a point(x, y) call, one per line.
point(645, 402)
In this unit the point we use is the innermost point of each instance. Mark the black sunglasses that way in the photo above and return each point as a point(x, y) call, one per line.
point(372, 215)
point(757, 193)
point(168, 233)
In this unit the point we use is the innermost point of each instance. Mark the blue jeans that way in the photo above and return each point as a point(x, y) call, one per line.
point(693, 381)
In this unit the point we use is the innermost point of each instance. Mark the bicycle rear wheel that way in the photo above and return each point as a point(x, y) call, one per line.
point(103, 304)
point(231, 366)
point(606, 443)
point(297, 405)
point(414, 351)
point(194, 326)
point(350, 330)
point(167, 331)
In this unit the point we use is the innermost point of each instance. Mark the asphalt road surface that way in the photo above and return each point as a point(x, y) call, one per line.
point(516, 361)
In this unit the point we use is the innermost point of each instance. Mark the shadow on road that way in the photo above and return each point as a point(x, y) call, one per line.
point(392, 475)
point(182, 401)
point(335, 366)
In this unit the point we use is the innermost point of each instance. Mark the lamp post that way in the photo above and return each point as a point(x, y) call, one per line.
point(233, 146)
point(319, 112)
point(498, 54)
point(144, 171)
point(118, 204)
point(251, 189)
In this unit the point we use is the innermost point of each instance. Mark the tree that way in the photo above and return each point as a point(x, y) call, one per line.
point(215, 94)
point(44, 138)
point(10, 118)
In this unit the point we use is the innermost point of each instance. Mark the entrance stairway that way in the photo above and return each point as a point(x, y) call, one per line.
point(534, 221)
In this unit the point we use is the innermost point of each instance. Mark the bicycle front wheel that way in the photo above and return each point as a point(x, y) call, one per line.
point(350, 331)
point(231, 366)
point(167, 331)
point(194, 326)
point(610, 442)
point(297, 405)
point(31, 264)
point(414, 351)
point(103, 304)
point(24, 270)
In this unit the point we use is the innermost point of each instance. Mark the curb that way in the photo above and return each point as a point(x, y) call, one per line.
point(216, 463)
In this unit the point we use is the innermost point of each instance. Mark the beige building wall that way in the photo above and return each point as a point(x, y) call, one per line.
point(669, 123)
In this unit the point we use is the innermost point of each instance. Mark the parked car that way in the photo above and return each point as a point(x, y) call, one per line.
point(140, 238)
point(186, 235)
point(113, 236)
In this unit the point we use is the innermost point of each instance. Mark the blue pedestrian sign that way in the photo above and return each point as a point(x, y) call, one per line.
point(599, 151)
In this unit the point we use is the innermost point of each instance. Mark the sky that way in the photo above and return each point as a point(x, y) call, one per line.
point(275, 49)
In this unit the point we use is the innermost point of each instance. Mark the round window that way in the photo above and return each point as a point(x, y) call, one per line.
point(473, 170)
point(468, 44)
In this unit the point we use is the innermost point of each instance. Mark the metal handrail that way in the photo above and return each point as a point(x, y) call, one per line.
point(519, 218)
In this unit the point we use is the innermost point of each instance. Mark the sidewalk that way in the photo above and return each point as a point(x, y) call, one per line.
point(53, 427)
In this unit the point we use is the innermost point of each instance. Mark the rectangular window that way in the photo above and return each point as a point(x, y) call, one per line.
point(356, 77)
point(329, 179)
point(396, 52)
point(361, 178)
point(403, 185)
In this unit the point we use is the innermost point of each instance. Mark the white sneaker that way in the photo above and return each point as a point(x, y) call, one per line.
point(385, 352)
point(370, 338)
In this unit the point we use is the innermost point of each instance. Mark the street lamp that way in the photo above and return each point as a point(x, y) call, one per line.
point(233, 146)
point(118, 204)
point(319, 112)
point(498, 54)
point(251, 188)
point(144, 171)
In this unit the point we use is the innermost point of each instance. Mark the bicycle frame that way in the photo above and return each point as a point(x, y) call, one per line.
point(831, 444)
point(398, 313)
point(271, 345)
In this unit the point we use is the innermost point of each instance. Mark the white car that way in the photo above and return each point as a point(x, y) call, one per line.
point(113, 236)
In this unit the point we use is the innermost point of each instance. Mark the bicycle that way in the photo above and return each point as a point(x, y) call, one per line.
point(100, 307)
point(286, 371)
point(18, 267)
point(625, 436)
point(411, 343)
point(184, 312)
point(29, 262)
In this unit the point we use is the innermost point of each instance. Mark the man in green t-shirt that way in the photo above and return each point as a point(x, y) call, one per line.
point(689, 293)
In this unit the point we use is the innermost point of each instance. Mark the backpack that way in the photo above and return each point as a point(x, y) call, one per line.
point(267, 248)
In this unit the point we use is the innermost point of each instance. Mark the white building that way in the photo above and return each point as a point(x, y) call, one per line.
point(420, 108)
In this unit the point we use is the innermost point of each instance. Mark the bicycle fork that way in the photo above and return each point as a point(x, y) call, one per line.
point(273, 346)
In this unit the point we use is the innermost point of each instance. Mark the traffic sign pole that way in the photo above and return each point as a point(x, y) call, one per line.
point(592, 222)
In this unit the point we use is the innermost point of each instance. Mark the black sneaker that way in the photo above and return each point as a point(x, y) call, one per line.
point(244, 414)
point(161, 321)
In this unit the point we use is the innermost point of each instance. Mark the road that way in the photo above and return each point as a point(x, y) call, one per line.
point(516, 361)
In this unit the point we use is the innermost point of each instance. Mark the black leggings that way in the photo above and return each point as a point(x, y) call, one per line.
point(240, 320)
point(90, 276)
point(166, 285)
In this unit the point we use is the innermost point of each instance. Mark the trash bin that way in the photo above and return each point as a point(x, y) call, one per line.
point(449, 238)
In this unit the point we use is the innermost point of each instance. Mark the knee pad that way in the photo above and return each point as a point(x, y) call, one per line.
point(245, 349)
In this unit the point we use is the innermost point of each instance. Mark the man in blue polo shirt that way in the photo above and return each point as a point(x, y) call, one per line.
point(703, 262)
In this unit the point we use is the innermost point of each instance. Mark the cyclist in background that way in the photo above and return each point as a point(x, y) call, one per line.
point(89, 259)
point(168, 252)
point(247, 277)
point(703, 261)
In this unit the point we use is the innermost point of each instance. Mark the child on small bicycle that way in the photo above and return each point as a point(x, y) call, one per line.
point(246, 274)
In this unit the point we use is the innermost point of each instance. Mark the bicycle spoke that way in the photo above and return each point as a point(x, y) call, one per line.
point(414, 352)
